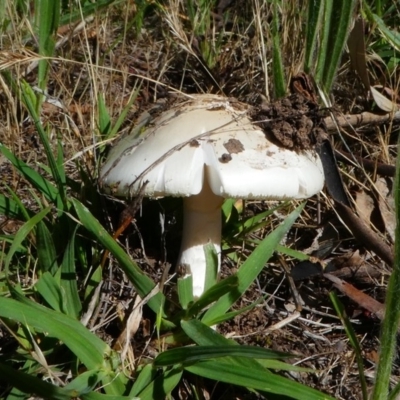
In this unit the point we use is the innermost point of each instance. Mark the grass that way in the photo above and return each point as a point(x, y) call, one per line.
point(74, 76)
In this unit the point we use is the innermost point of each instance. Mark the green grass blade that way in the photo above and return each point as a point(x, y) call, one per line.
point(104, 117)
point(162, 386)
point(22, 233)
point(298, 255)
point(212, 295)
point(10, 208)
point(146, 376)
point(277, 64)
point(86, 10)
point(47, 14)
point(185, 291)
point(84, 344)
point(323, 49)
point(240, 370)
point(394, 394)
point(88, 348)
point(46, 251)
point(28, 383)
point(101, 396)
point(62, 184)
point(84, 383)
point(33, 177)
point(203, 335)
point(142, 283)
point(7, 238)
point(122, 116)
point(378, 7)
point(353, 341)
point(391, 36)
point(315, 13)
point(91, 350)
point(251, 268)
point(69, 285)
point(185, 355)
point(93, 282)
point(29, 100)
point(232, 314)
point(255, 222)
point(282, 366)
point(25, 212)
point(3, 15)
point(211, 266)
point(49, 288)
point(259, 379)
point(341, 17)
point(392, 314)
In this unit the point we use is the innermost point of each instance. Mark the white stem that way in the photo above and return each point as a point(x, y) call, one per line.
point(201, 225)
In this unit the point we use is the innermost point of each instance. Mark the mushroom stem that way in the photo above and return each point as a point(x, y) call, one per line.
point(201, 225)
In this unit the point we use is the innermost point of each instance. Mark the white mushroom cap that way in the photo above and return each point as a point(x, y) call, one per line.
point(205, 149)
point(210, 135)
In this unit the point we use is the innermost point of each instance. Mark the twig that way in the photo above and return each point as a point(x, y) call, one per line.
point(369, 165)
point(364, 234)
point(358, 120)
point(126, 217)
point(296, 295)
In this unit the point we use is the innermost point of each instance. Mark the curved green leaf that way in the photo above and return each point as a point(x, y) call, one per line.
point(255, 378)
point(315, 12)
point(91, 350)
point(32, 385)
point(163, 385)
point(23, 232)
point(46, 249)
point(191, 354)
point(33, 177)
point(86, 346)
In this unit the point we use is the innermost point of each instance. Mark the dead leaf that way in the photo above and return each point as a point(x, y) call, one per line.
point(364, 234)
point(132, 325)
point(358, 296)
point(381, 101)
point(349, 260)
point(386, 207)
point(356, 46)
point(353, 265)
point(365, 206)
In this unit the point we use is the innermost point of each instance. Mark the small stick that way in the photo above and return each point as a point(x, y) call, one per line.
point(369, 165)
point(297, 298)
point(279, 325)
point(126, 217)
point(358, 120)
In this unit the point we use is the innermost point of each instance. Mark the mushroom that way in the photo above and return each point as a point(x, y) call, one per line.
point(205, 149)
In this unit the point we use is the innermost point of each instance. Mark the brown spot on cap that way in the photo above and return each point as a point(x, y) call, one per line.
point(194, 143)
point(183, 269)
point(225, 158)
point(114, 187)
point(234, 146)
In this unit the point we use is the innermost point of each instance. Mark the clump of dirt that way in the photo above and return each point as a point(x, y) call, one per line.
point(295, 122)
